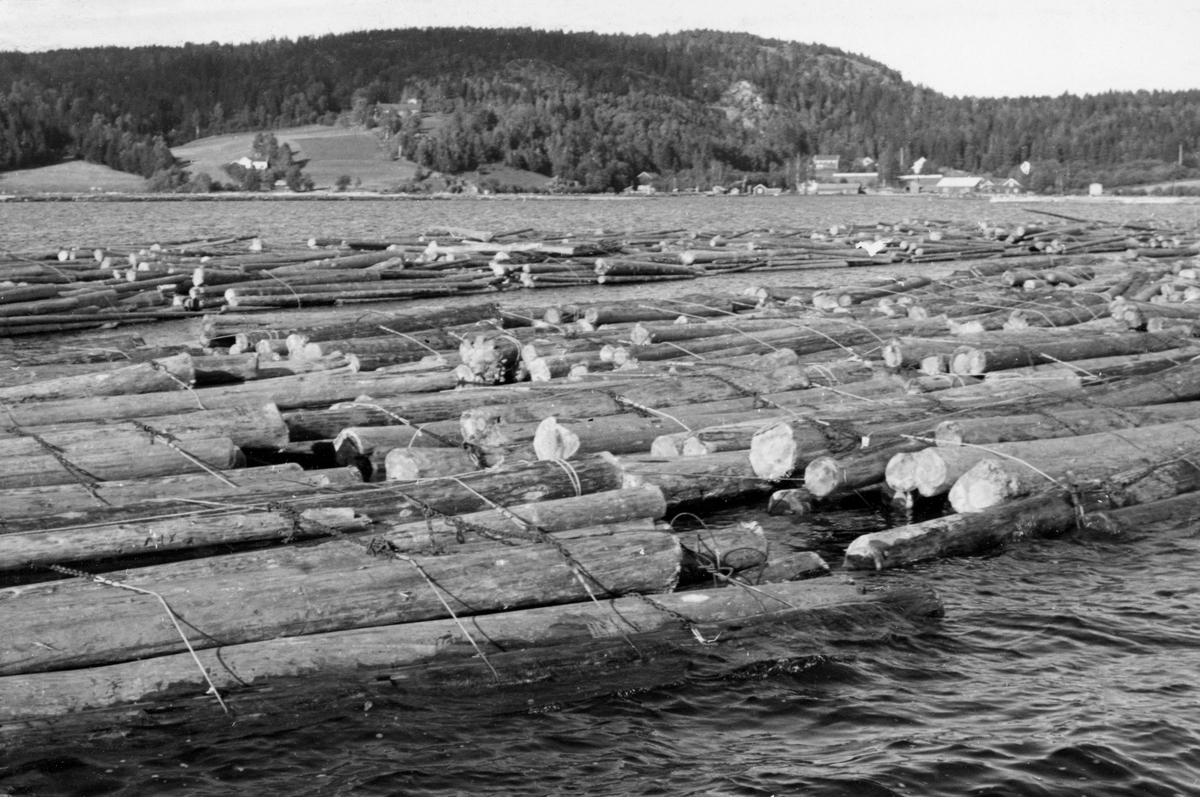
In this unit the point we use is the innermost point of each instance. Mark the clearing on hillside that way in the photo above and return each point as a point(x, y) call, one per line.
point(69, 177)
point(330, 151)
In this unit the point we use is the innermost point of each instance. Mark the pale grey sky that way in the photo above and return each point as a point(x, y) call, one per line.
point(962, 47)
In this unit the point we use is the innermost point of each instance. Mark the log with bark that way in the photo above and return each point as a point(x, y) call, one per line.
point(36, 502)
point(338, 654)
point(1048, 512)
point(169, 373)
point(84, 456)
point(235, 599)
point(1007, 470)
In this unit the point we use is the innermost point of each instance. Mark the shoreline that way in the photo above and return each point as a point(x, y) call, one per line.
point(369, 196)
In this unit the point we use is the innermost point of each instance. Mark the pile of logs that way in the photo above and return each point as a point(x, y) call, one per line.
point(336, 489)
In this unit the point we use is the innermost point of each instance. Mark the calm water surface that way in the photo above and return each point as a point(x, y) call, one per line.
point(1063, 666)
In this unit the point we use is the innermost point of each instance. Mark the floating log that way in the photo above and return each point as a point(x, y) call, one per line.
point(1022, 468)
point(345, 653)
point(247, 427)
point(70, 457)
point(979, 360)
point(689, 480)
point(170, 373)
point(1048, 512)
point(1084, 456)
point(317, 389)
point(830, 476)
point(412, 464)
point(32, 549)
point(1062, 423)
point(61, 498)
point(233, 599)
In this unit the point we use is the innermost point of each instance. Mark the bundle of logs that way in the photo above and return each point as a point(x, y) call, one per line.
point(335, 489)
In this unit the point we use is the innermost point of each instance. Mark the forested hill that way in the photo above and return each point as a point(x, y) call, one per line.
point(598, 109)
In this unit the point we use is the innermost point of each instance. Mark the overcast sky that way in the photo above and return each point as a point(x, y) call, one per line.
point(987, 48)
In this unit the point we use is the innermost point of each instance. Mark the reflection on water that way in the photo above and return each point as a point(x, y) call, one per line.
point(1063, 666)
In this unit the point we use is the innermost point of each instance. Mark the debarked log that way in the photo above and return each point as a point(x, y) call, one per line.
point(344, 653)
point(294, 591)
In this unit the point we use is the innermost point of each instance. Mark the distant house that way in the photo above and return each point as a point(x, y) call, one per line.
point(916, 183)
point(1009, 185)
point(763, 190)
point(862, 178)
point(825, 165)
point(958, 185)
point(246, 163)
point(645, 178)
point(813, 187)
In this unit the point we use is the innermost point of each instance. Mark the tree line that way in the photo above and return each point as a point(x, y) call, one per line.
point(592, 110)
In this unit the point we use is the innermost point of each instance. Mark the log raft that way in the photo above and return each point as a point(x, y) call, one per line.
point(477, 424)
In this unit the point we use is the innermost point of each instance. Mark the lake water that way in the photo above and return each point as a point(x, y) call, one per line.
point(1063, 666)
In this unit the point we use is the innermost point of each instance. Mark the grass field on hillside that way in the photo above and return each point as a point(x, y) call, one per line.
point(70, 177)
point(330, 151)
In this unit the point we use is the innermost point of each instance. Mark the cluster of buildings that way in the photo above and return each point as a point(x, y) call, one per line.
point(827, 179)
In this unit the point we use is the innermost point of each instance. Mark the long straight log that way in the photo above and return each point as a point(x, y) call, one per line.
point(993, 480)
point(339, 653)
point(32, 549)
point(170, 373)
point(1063, 423)
point(1048, 512)
point(290, 392)
point(341, 324)
point(404, 347)
point(960, 535)
point(395, 503)
point(1083, 457)
point(37, 502)
point(232, 599)
point(979, 360)
point(825, 476)
point(66, 457)
point(247, 427)
point(725, 476)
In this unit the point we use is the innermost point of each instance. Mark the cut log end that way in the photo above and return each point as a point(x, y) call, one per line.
point(985, 485)
point(823, 476)
point(773, 452)
point(552, 440)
